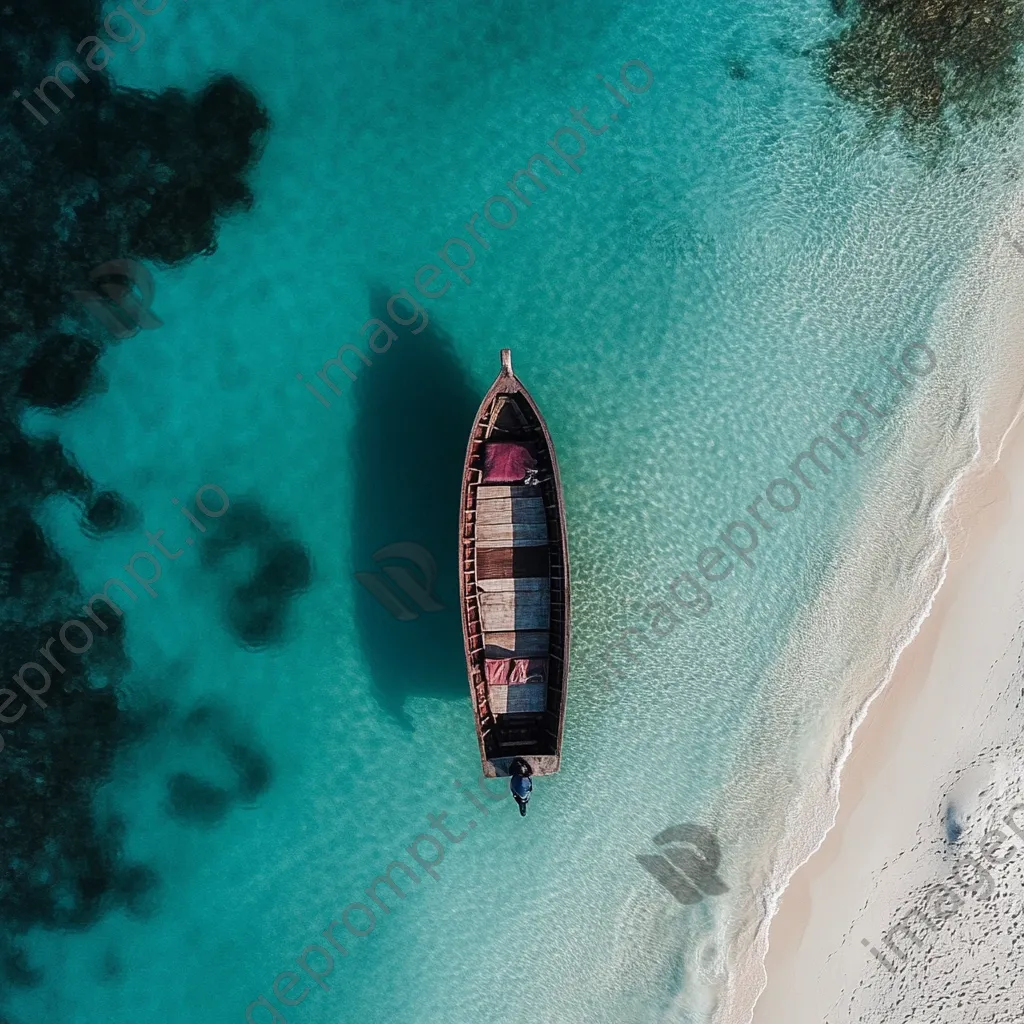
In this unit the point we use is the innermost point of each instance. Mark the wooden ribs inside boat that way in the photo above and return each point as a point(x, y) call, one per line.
point(515, 593)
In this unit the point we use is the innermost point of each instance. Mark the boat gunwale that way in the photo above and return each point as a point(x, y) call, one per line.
point(507, 383)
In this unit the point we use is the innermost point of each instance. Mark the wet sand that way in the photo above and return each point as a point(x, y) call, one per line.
point(943, 715)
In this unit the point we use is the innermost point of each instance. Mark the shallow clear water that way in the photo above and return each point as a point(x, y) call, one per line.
point(736, 255)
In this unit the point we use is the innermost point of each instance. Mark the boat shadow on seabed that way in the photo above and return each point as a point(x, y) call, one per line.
point(414, 406)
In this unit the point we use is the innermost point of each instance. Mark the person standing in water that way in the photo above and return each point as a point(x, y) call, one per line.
point(521, 784)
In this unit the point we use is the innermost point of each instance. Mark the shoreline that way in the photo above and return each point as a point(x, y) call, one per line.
point(820, 457)
point(874, 740)
point(826, 917)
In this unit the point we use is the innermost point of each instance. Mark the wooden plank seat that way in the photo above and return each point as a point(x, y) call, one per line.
point(511, 510)
point(517, 644)
point(488, 491)
point(514, 610)
point(516, 685)
point(501, 562)
point(511, 522)
point(516, 584)
point(511, 535)
point(511, 700)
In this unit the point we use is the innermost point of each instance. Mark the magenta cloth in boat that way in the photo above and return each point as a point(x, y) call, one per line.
point(506, 462)
point(529, 670)
point(514, 671)
point(497, 671)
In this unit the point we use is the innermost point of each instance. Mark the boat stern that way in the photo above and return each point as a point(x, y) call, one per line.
point(542, 764)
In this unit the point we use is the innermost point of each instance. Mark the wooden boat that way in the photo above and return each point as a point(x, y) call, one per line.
point(514, 581)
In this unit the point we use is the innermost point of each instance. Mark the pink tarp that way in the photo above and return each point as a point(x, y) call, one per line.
point(513, 671)
point(497, 671)
point(506, 462)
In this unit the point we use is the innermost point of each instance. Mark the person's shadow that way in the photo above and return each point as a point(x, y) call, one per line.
point(414, 411)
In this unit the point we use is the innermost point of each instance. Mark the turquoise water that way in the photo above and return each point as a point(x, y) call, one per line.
point(736, 255)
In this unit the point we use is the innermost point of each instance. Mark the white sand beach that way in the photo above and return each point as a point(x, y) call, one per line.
point(889, 920)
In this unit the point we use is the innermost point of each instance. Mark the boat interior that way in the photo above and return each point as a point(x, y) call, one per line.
point(515, 580)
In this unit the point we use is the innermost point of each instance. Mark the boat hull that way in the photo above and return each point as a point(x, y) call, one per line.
point(514, 582)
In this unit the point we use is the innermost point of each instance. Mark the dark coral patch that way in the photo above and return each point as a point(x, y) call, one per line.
point(194, 801)
point(60, 371)
point(253, 770)
point(212, 739)
point(919, 60)
point(118, 174)
point(738, 70)
point(16, 969)
point(106, 513)
point(263, 568)
point(286, 569)
point(136, 887)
